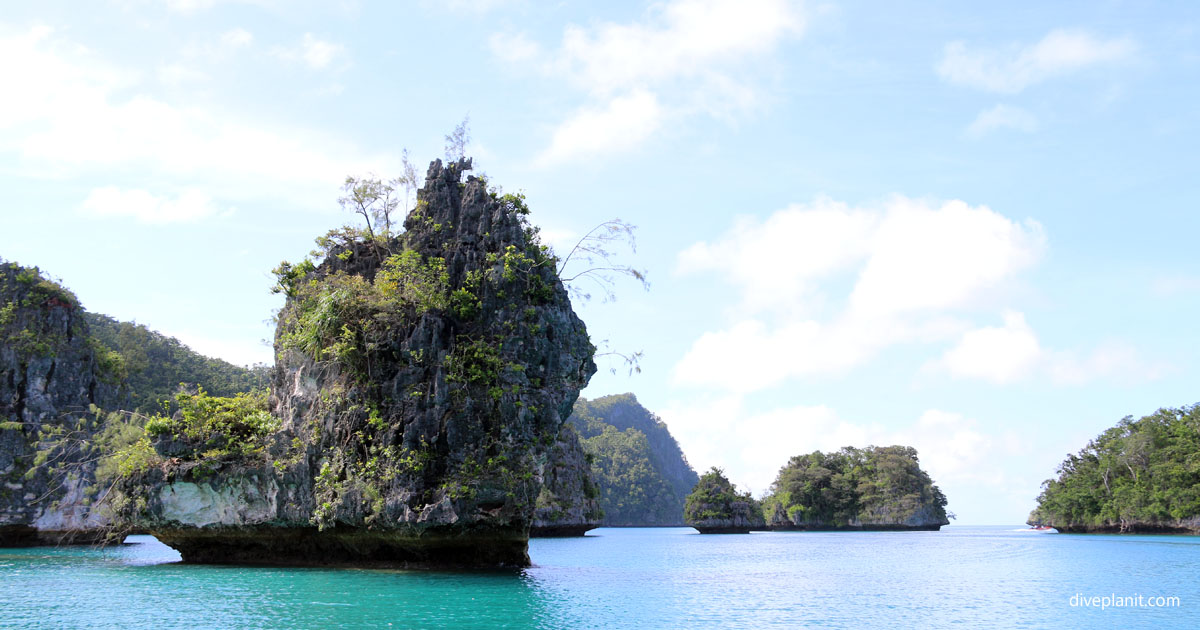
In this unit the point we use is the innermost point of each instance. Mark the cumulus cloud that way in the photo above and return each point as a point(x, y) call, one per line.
point(145, 207)
point(1002, 117)
point(79, 114)
point(623, 122)
point(927, 257)
point(685, 56)
point(916, 268)
point(1012, 352)
point(1012, 69)
point(687, 38)
point(996, 354)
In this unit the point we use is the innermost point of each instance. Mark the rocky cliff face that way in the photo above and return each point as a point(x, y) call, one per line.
point(567, 504)
point(421, 382)
point(716, 507)
point(52, 377)
point(1189, 525)
point(922, 518)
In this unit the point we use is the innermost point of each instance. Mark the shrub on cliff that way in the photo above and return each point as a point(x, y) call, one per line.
point(215, 427)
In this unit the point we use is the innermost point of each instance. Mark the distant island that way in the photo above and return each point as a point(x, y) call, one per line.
point(1140, 476)
point(716, 507)
point(873, 488)
point(878, 488)
point(633, 472)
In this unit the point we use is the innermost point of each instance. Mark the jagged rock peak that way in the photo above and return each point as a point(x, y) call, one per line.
point(421, 381)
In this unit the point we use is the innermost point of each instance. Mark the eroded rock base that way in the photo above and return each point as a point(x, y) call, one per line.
point(26, 536)
point(346, 547)
point(724, 530)
point(561, 531)
point(1134, 528)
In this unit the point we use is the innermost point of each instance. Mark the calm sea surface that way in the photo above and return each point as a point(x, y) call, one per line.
point(960, 577)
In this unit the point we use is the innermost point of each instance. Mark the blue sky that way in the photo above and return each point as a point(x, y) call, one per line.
point(966, 228)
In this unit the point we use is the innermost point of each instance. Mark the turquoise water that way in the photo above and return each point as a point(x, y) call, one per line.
point(636, 578)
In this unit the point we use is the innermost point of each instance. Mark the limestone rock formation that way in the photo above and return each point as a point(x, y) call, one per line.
point(52, 378)
point(716, 507)
point(421, 380)
point(567, 504)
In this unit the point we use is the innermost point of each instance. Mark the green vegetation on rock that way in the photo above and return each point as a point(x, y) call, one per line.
point(421, 379)
point(54, 379)
point(870, 488)
point(639, 470)
point(1139, 476)
point(214, 427)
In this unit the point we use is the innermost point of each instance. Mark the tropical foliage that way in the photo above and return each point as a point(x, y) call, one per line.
point(716, 498)
point(1140, 473)
point(853, 486)
point(639, 470)
point(155, 365)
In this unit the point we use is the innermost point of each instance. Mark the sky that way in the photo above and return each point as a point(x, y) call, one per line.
point(966, 227)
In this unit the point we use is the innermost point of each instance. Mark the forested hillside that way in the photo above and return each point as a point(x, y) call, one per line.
point(1138, 476)
point(156, 364)
point(638, 467)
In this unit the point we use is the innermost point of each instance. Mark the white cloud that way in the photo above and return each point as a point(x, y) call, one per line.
point(687, 38)
point(1002, 117)
point(623, 123)
point(1013, 69)
point(752, 446)
point(316, 53)
point(915, 267)
point(80, 114)
point(685, 56)
point(796, 247)
point(145, 207)
point(998, 355)
point(1114, 361)
point(1012, 353)
point(926, 258)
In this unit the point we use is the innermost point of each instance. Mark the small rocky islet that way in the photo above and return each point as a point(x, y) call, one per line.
point(421, 383)
point(853, 489)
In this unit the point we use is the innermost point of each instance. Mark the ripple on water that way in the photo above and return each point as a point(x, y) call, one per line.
point(634, 578)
